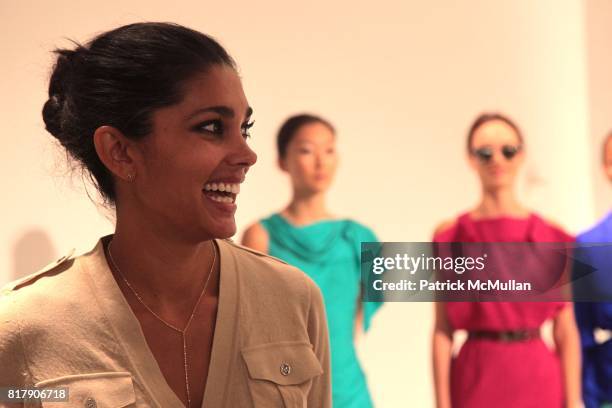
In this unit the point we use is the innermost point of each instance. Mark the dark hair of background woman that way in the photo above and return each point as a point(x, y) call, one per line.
point(291, 126)
point(118, 79)
point(489, 117)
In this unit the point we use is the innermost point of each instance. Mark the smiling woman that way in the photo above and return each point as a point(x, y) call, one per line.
point(165, 312)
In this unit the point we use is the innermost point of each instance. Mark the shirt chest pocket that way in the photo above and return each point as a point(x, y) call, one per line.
point(281, 374)
point(97, 390)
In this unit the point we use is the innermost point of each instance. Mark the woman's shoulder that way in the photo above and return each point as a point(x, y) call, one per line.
point(272, 222)
point(256, 236)
point(600, 232)
point(268, 272)
point(546, 220)
point(445, 225)
point(364, 232)
point(40, 279)
point(41, 294)
point(445, 230)
point(548, 229)
point(277, 301)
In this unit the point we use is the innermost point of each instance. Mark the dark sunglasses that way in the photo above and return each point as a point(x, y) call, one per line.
point(485, 154)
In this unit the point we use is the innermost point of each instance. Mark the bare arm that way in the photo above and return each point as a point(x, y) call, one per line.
point(442, 342)
point(442, 347)
point(358, 327)
point(256, 237)
point(567, 342)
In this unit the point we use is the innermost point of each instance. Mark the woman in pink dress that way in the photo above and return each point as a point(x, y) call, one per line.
point(504, 362)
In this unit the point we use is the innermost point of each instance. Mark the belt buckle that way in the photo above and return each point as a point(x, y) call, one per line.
point(510, 336)
point(507, 336)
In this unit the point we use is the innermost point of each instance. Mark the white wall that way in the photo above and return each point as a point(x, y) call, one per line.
point(401, 80)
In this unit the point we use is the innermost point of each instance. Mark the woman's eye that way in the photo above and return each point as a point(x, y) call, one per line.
point(211, 126)
point(246, 129)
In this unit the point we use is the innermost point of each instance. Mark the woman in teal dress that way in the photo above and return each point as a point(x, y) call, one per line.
point(326, 247)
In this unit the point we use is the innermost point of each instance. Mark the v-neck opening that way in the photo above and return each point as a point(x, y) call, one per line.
point(130, 336)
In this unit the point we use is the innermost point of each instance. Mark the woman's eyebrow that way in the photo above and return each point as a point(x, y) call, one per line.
point(224, 111)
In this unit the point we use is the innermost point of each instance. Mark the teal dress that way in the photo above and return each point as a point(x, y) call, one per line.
point(329, 252)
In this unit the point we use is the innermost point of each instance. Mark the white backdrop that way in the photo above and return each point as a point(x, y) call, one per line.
point(401, 81)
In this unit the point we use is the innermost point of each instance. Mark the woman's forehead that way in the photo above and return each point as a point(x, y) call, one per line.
point(315, 132)
point(495, 132)
point(220, 85)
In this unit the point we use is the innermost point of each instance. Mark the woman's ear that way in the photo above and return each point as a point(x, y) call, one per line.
point(282, 163)
point(116, 152)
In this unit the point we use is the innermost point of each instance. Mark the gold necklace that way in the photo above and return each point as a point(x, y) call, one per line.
point(176, 329)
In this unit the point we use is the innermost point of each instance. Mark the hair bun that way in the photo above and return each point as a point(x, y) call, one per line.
point(59, 84)
point(52, 115)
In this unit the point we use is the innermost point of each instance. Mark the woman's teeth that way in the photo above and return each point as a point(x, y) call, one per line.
point(222, 192)
point(222, 199)
point(223, 187)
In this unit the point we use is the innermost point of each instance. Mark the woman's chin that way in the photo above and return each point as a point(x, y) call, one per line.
point(219, 229)
point(499, 184)
point(226, 232)
point(496, 181)
point(319, 187)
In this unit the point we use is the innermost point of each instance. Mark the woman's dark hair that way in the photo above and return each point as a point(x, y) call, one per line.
point(118, 79)
point(291, 127)
point(489, 117)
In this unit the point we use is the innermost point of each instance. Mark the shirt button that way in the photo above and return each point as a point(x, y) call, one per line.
point(285, 369)
point(90, 403)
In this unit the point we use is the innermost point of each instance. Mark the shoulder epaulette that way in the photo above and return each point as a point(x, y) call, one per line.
point(63, 262)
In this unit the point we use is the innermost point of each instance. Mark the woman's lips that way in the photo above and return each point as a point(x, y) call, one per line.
point(224, 203)
point(222, 194)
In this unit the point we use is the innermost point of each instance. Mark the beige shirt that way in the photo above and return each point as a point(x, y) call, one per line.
point(69, 325)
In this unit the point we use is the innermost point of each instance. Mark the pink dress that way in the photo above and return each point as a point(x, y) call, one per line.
point(489, 372)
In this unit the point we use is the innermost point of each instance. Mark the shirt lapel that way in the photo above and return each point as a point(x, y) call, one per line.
point(224, 345)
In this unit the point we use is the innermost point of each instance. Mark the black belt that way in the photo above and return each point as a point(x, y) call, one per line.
point(505, 335)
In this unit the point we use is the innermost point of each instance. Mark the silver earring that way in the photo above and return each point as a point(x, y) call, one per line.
point(131, 177)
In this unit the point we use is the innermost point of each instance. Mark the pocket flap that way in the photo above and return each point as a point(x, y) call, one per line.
point(101, 390)
point(283, 363)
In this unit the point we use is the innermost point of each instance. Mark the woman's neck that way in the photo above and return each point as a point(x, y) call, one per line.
point(499, 202)
point(306, 208)
point(162, 269)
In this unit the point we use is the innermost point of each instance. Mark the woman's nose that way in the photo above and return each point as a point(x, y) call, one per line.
point(497, 157)
point(319, 160)
point(242, 154)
